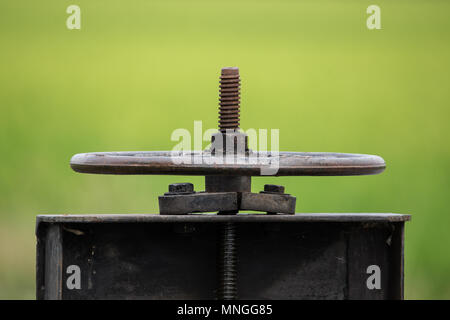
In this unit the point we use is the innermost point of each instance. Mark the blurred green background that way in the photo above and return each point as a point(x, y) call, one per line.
point(139, 69)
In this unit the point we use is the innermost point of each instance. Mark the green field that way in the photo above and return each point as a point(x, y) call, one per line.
point(139, 69)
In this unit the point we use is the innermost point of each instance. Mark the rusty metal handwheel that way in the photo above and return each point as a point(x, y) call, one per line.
point(169, 163)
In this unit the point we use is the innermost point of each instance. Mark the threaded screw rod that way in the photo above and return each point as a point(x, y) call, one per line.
point(229, 104)
point(229, 99)
point(227, 263)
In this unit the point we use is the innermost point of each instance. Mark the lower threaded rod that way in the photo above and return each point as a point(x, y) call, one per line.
point(227, 262)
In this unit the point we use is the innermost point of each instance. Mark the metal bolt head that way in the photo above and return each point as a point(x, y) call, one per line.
point(177, 188)
point(273, 188)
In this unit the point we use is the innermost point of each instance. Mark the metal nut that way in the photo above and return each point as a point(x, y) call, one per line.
point(273, 188)
point(181, 188)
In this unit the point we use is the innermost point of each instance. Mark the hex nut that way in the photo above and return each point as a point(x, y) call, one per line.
point(180, 188)
point(273, 188)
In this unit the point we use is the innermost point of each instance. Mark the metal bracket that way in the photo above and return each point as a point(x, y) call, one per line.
point(185, 203)
point(198, 202)
point(268, 202)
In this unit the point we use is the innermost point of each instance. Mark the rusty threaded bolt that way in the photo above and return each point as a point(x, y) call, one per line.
point(229, 98)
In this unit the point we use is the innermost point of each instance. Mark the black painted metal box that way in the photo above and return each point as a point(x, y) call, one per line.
point(149, 256)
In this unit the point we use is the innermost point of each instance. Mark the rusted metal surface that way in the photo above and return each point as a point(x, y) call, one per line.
point(198, 202)
point(181, 198)
point(227, 183)
point(229, 98)
point(226, 202)
point(268, 202)
point(229, 142)
point(166, 163)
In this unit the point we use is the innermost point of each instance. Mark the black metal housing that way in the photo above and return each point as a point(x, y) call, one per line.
point(302, 256)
